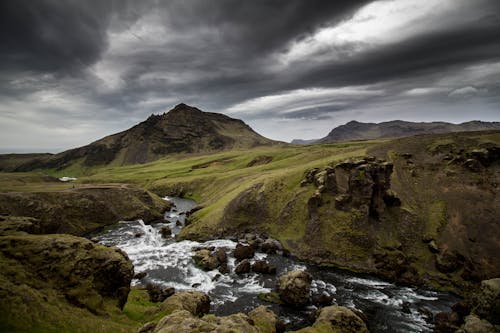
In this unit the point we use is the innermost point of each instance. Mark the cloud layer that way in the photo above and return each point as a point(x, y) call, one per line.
point(74, 71)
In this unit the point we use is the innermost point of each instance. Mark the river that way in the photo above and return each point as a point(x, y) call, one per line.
point(388, 307)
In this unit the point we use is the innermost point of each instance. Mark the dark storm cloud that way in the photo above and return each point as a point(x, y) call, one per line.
point(52, 35)
point(105, 65)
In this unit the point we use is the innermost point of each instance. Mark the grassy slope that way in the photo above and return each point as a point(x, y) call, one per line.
point(268, 198)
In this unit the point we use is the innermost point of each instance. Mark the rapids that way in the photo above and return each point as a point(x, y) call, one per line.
point(389, 308)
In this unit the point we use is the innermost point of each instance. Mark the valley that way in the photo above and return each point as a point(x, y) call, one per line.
point(418, 212)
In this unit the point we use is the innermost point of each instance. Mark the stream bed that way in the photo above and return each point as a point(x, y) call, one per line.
point(388, 307)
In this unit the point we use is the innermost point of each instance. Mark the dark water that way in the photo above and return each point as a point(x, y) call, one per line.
point(389, 308)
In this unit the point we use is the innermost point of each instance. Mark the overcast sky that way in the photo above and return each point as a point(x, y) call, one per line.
point(72, 72)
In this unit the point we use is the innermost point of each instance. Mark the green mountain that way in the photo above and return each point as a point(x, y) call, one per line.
point(184, 129)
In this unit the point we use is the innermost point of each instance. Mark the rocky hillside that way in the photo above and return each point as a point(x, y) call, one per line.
point(184, 129)
point(78, 211)
point(355, 130)
point(418, 210)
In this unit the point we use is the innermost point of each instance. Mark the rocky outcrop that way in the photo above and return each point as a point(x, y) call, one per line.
point(83, 210)
point(336, 319)
point(363, 184)
point(294, 287)
point(39, 273)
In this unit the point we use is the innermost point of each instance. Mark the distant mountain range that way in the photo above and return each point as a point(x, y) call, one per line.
point(184, 129)
point(355, 130)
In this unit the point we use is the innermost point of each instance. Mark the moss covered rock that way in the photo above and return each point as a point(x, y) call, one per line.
point(294, 287)
point(336, 319)
point(42, 276)
point(260, 320)
point(195, 302)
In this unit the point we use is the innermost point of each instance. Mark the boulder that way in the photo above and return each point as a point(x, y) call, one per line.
point(264, 319)
point(271, 246)
point(336, 319)
point(294, 287)
point(166, 232)
point(194, 302)
point(262, 266)
point(323, 299)
point(243, 252)
point(158, 293)
point(243, 267)
point(221, 255)
point(206, 259)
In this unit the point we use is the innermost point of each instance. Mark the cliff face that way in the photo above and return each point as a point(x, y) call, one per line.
point(419, 210)
point(82, 210)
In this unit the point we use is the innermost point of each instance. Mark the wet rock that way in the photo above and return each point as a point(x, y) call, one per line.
point(221, 255)
point(294, 287)
point(223, 268)
point(140, 275)
point(166, 232)
point(178, 223)
point(324, 299)
point(406, 307)
point(243, 252)
point(138, 235)
point(429, 317)
point(158, 293)
point(243, 267)
point(336, 319)
point(262, 266)
point(195, 302)
point(271, 246)
point(206, 259)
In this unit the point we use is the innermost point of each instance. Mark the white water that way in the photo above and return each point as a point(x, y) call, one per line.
point(170, 263)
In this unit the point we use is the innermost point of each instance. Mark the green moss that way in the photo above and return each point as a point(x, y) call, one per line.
point(271, 297)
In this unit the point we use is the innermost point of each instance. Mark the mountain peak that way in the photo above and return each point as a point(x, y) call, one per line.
point(183, 129)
